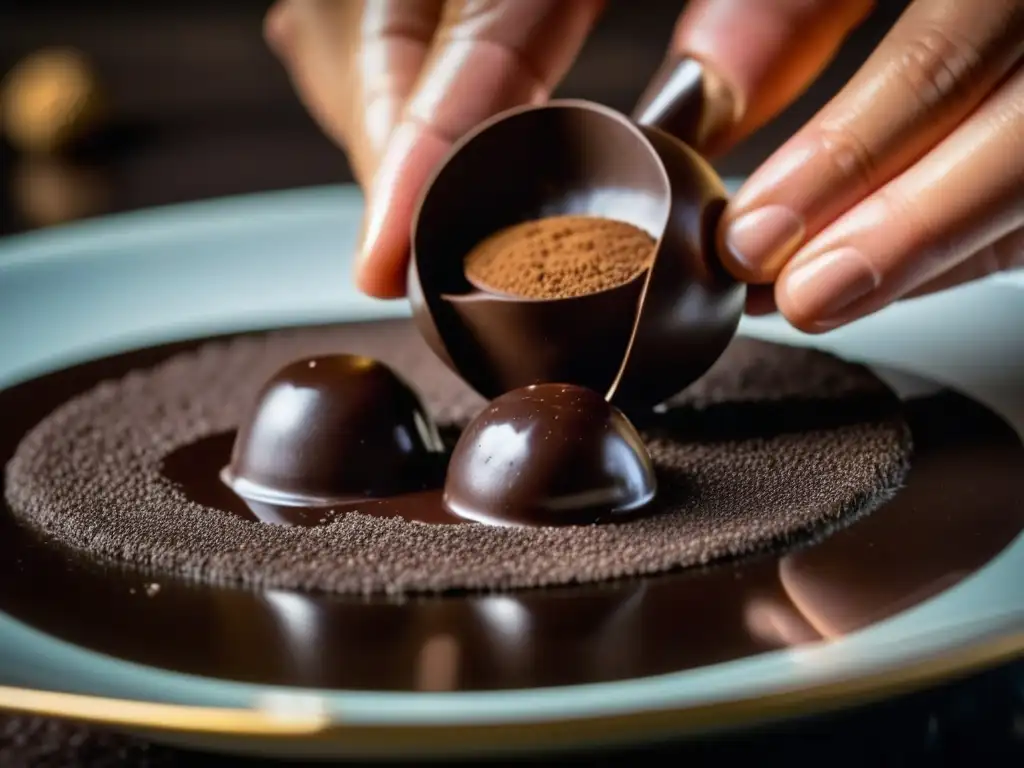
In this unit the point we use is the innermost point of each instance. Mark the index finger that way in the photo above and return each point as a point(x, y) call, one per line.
point(487, 56)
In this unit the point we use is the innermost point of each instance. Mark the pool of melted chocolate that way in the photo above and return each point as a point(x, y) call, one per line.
point(196, 469)
point(961, 505)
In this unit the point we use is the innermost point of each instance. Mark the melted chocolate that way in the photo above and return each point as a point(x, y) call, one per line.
point(195, 469)
point(550, 454)
point(962, 504)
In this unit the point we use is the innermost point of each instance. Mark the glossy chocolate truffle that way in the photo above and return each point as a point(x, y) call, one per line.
point(333, 428)
point(550, 454)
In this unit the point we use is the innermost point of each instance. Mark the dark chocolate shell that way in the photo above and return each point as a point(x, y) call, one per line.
point(639, 343)
point(330, 429)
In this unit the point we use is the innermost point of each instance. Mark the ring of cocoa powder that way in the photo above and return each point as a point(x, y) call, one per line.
point(775, 445)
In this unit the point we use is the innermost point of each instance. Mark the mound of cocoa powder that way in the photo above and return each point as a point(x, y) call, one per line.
point(560, 257)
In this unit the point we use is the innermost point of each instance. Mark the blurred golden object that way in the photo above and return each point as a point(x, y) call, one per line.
point(50, 100)
point(48, 191)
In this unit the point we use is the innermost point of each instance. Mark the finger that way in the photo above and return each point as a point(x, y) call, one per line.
point(1004, 255)
point(961, 198)
point(760, 56)
point(353, 65)
point(488, 55)
point(937, 64)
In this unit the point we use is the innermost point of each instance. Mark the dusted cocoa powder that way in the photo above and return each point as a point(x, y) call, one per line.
point(560, 257)
point(775, 445)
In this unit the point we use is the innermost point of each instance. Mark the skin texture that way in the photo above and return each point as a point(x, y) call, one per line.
point(910, 180)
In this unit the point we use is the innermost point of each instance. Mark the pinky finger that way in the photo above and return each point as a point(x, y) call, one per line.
point(1004, 255)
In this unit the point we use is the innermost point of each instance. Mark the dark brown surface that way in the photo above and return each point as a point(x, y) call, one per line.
point(776, 445)
point(641, 342)
point(193, 470)
point(963, 488)
point(331, 429)
point(550, 454)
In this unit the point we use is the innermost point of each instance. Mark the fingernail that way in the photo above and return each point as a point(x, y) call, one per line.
point(378, 196)
point(761, 241)
point(824, 287)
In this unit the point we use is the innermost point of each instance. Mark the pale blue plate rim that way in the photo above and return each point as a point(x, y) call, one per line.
point(41, 272)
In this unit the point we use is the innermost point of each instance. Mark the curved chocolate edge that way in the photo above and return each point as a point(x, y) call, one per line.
point(688, 101)
point(519, 343)
point(706, 313)
point(537, 179)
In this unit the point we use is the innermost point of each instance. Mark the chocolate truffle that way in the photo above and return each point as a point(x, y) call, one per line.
point(333, 428)
point(549, 454)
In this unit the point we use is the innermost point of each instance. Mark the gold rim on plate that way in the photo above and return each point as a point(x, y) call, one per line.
point(320, 727)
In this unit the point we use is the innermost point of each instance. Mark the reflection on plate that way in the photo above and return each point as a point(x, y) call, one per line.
point(962, 504)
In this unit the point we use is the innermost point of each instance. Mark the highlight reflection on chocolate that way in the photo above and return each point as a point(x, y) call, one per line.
point(330, 429)
point(551, 454)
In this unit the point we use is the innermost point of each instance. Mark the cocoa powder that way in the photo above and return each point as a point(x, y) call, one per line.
point(560, 257)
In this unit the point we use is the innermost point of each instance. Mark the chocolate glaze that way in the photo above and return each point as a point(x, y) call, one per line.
point(567, 458)
point(549, 454)
point(639, 343)
point(194, 468)
point(962, 504)
point(333, 429)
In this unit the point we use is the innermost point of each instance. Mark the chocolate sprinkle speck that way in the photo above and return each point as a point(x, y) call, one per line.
point(775, 446)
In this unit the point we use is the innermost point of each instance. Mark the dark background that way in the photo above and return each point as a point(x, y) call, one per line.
point(200, 108)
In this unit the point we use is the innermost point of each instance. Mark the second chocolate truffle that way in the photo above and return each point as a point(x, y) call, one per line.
point(333, 428)
point(550, 454)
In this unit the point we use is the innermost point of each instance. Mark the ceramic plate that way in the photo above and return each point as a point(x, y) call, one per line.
point(82, 291)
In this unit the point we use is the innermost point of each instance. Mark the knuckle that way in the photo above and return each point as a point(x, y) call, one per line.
point(924, 234)
point(848, 154)
point(937, 65)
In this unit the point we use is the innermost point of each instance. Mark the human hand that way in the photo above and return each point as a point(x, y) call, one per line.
point(395, 82)
point(909, 181)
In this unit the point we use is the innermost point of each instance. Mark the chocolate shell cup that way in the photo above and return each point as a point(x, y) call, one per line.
point(637, 343)
point(333, 429)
